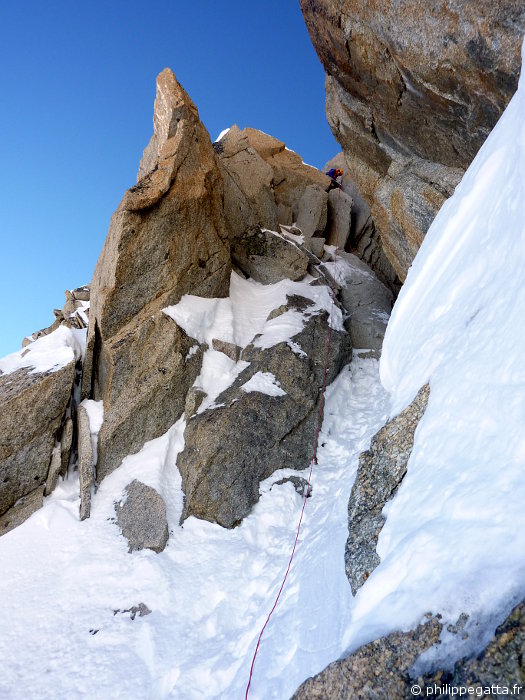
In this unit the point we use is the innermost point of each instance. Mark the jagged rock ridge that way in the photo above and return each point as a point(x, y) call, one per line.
point(167, 238)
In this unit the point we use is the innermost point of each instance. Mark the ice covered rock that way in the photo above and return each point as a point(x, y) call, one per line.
point(256, 427)
point(167, 238)
point(75, 314)
point(142, 518)
point(380, 473)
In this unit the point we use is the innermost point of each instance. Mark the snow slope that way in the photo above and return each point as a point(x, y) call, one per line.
point(209, 591)
point(240, 319)
point(49, 353)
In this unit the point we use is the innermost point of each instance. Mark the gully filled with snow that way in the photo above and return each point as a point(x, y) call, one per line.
point(209, 591)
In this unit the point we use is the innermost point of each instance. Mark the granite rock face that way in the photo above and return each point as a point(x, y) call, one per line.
point(367, 301)
point(376, 671)
point(379, 475)
point(312, 211)
point(248, 194)
point(23, 509)
point(231, 448)
point(364, 240)
point(500, 663)
point(383, 668)
point(32, 412)
point(340, 211)
point(412, 91)
point(266, 184)
point(167, 238)
point(85, 461)
point(142, 518)
point(268, 257)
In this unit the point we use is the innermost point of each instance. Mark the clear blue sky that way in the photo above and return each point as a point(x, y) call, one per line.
point(77, 82)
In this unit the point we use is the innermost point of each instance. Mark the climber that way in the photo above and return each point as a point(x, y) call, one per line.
point(333, 174)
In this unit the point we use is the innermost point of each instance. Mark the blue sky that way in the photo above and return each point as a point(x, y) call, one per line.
point(78, 84)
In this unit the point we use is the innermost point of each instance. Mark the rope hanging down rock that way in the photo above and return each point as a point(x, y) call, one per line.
point(313, 461)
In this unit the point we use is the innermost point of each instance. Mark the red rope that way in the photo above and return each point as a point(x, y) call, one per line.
point(307, 492)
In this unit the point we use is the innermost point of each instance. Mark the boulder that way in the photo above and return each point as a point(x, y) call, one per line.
point(141, 610)
point(229, 349)
point(32, 410)
point(361, 214)
point(339, 218)
point(380, 473)
point(411, 86)
point(284, 214)
point(312, 211)
point(142, 518)
point(85, 461)
point(145, 390)
point(194, 398)
point(316, 246)
point(291, 177)
point(167, 238)
point(268, 257)
point(300, 485)
point(367, 301)
point(248, 196)
point(376, 671)
point(231, 448)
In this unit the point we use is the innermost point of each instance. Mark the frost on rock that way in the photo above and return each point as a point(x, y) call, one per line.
point(259, 414)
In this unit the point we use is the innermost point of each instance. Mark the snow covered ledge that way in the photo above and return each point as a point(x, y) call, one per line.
point(454, 539)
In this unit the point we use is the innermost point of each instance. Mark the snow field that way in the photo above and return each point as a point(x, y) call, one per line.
point(49, 353)
point(209, 591)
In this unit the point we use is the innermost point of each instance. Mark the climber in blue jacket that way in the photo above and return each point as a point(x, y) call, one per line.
point(333, 174)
